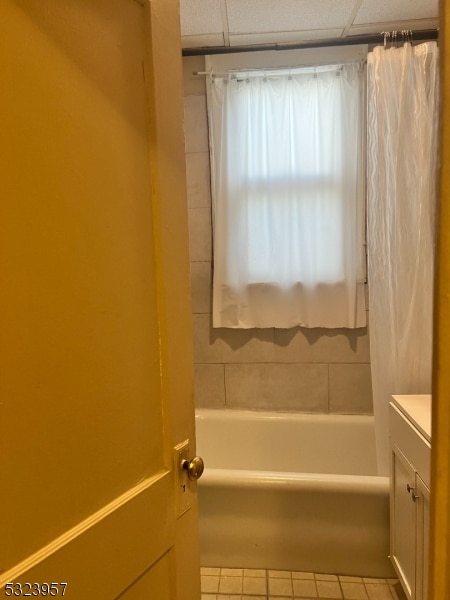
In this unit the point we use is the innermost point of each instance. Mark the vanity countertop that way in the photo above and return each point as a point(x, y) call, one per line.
point(417, 409)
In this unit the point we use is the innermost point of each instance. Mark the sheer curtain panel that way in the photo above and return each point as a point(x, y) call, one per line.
point(288, 220)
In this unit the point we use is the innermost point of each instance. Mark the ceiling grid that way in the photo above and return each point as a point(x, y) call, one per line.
point(224, 14)
point(215, 23)
point(352, 17)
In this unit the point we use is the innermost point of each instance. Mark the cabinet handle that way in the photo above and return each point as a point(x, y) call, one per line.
point(412, 491)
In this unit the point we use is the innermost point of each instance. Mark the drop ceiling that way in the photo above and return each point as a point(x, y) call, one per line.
point(206, 23)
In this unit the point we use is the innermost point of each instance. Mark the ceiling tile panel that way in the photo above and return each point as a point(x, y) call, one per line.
point(258, 16)
point(393, 26)
point(200, 17)
point(380, 11)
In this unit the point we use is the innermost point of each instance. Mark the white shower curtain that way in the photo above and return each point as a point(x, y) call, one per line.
point(402, 156)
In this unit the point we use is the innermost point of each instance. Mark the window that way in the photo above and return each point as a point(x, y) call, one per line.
point(286, 158)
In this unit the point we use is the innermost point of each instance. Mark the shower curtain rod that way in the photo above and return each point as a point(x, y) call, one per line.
point(377, 38)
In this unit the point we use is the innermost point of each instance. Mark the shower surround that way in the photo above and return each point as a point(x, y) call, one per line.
point(295, 370)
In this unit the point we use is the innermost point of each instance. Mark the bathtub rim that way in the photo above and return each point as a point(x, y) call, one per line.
point(245, 414)
point(245, 479)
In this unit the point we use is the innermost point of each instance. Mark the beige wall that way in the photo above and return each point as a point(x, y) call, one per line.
point(312, 370)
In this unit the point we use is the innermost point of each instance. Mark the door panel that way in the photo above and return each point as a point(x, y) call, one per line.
point(423, 539)
point(403, 519)
point(155, 583)
point(94, 297)
point(103, 555)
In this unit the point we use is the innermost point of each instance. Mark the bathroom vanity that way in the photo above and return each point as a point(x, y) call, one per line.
point(410, 435)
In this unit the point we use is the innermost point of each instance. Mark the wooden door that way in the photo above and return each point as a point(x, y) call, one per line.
point(96, 386)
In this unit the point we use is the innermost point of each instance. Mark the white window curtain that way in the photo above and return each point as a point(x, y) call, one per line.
point(288, 222)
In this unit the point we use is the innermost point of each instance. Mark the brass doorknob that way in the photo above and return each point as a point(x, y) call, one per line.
point(194, 468)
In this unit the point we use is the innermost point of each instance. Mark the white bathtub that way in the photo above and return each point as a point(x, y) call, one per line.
point(292, 491)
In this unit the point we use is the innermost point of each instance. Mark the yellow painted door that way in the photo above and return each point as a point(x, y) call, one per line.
point(96, 386)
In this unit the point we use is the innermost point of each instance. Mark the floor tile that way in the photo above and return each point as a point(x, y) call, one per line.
point(210, 584)
point(280, 574)
point(329, 589)
point(280, 587)
point(378, 591)
point(210, 571)
point(304, 588)
point(325, 577)
point(231, 585)
point(254, 585)
point(231, 572)
point(254, 572)
point(302, 575)
point(354, 591)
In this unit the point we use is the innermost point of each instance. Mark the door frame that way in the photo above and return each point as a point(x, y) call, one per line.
point(439, 569)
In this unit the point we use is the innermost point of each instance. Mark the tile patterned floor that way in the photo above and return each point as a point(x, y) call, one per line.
point(259, 584)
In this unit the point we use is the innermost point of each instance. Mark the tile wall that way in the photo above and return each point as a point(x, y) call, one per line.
point(311, 370)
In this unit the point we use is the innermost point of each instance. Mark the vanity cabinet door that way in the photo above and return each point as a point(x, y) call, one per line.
point(403, 522)
point(422, 538)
